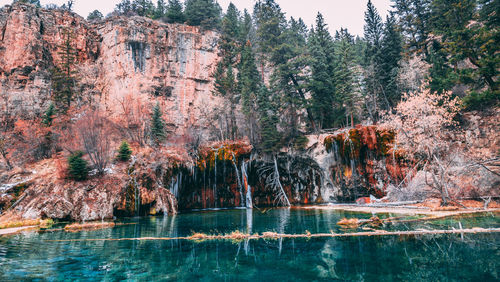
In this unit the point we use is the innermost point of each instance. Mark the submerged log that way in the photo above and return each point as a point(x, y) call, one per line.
point(273, 235)
point(75, 227)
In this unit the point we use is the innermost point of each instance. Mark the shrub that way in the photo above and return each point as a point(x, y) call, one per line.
point(481, 100)
point(124, 152)
point(78, 167)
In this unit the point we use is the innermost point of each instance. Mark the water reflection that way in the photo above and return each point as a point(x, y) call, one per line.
point(444, 257)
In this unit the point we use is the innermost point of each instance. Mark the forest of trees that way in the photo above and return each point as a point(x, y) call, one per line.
point(290, 79)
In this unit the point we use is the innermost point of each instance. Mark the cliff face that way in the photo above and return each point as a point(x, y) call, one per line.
point(171, 63)
point(124, 60)
point(121, 57)
point(29, 43)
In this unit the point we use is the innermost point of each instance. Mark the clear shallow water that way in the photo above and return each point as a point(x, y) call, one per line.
point(394, 258)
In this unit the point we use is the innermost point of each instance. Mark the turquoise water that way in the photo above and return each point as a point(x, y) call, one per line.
point(33, 256)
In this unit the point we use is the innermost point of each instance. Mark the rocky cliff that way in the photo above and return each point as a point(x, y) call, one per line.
point(117, 57)
point(135, 60)
point(128, 61)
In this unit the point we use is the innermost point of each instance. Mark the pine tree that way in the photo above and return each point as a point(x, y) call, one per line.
point(174, 13)
point(390, 55)
point(373, 29)
point(124, 151)
point(205, 13)
point(157, 125)
point(63, 80)
point(228, 44)
point(442, 76)
point(413, 17)
point(77, 166)
point(268, 121)
point(49, 114)
point(143, 8)
point(466, 34)
point(160, 10)
point(345, 100)
point(321, 83)
point(247, 30)
point(248, 80)
point(124, 7)
point(373, 32)
point(95, 16)
point(33, 2)
point(270, 22)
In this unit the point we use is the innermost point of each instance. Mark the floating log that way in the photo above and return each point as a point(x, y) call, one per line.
point(75, 227)
point(272, 235)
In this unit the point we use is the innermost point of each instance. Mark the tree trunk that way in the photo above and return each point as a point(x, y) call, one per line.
point(302, 95)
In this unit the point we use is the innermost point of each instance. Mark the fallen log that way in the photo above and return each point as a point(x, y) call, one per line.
point(272, 235)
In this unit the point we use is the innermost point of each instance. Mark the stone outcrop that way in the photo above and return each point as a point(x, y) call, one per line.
point(169, 63)
point(155, 62)
point(29, 42)
point(127, 190)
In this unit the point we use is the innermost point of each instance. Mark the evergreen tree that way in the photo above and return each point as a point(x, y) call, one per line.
point(143, 8)
point(268, 121)
point(95, 16)
point(248, 80)
point(174, 13)
point(124, 152)
point(77, 166)
point(344, 78)
point(124, 7)
point(469, 35)
point(228, 44)
point(413, 17)
point(203, 12)
point(160, 10)
point(270, 22)
point(373, 32)
point(281, 44)
point(390, 55)
point(247, 31)
point(63, 80)
point(33, 2)
point(157, 125)
point(49, 114)
point(442, 77)
point(322, 64)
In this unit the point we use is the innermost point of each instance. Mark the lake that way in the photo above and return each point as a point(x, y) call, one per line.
point(39, 256)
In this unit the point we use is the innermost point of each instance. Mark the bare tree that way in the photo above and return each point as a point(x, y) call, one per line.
point(133, 119)
point(270, 172)
point(94, 130)
point(5, 126)
point(421, 120)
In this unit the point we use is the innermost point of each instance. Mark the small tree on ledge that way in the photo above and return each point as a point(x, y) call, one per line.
point(157, 126)
point(124, 152)
point(78, 167)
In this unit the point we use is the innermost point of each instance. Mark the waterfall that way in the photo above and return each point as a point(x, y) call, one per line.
point(215, 178)
point(246, 187)
point(249, 217)
point(242, 197)
point(174, 185)
point(179, 185)
point(283, 217)
point(137, 199)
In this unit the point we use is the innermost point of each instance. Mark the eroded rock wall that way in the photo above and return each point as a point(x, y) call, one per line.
point(129, 56)
point(29, 41)
point(168, 63)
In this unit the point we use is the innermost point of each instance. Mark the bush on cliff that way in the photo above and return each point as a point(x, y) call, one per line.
point(78, 167)
point(124, 152)
point(157, 126)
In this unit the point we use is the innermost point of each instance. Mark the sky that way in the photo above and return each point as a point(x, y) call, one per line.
point(337, 13)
